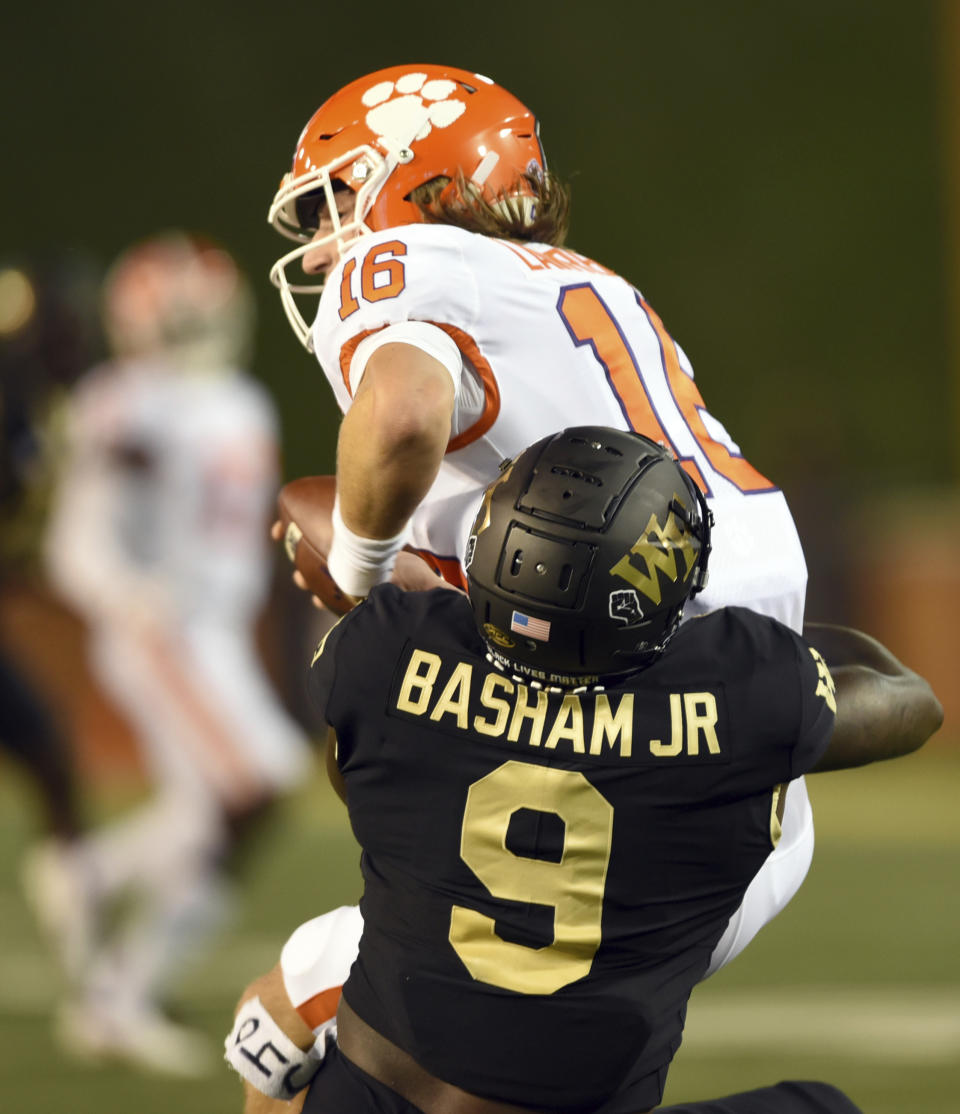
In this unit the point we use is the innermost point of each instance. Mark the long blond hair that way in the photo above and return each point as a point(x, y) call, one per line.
point(540, 212)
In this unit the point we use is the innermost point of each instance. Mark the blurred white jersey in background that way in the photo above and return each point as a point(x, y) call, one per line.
point(159, 539)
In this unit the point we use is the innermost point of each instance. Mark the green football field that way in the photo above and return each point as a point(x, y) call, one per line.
point(857, 982)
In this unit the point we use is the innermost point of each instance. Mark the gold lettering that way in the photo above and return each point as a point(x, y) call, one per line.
point(572, 888)
point(455, 698)
point(568, 724)
point(487, 498)
point(777, 804)
point(825, 683)
point(697, 721)
point(495, 703)
point(657, 548)
point(522, 711)
point(608, 728)
point(415, 682)
point(675, 746)
point(323, 641)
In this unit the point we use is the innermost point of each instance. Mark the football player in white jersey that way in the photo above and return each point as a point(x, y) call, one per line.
point(454, 330)
point(156, 538)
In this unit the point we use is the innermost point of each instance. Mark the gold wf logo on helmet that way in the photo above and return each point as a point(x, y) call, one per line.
point(657, 547)
point(484, 511)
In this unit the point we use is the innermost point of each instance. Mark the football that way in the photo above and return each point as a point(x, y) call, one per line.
point(305, 518)
point(304, 508)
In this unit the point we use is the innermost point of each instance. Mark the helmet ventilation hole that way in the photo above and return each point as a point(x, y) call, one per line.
point(576, 474)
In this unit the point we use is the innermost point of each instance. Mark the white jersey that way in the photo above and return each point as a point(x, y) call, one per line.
point(167, 492)
point(550, 339)
point(159, 538)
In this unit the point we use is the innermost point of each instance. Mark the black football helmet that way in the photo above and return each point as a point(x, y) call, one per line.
point(583, 554)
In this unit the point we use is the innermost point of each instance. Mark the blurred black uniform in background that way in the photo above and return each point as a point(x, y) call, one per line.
point(49, 334)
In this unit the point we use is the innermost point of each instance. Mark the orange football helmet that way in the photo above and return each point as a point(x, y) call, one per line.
point(383, 135)
point(181, 295)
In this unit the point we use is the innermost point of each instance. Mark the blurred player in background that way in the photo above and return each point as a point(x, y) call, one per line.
point(158, 539)
point(48, 337)
point(455, 330)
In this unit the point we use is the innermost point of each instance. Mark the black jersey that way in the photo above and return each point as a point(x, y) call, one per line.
point(547, 873)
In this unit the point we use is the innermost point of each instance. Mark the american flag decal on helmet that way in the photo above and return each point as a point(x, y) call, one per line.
point(532, 628)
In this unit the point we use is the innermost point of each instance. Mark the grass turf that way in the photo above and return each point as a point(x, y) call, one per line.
point(857, 982)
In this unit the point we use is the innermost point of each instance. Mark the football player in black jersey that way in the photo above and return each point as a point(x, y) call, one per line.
point(561, 794)
point(46, 339)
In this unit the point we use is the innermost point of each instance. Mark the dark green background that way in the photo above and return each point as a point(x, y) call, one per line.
point(772, 176)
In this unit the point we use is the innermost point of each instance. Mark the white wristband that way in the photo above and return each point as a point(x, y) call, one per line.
point(356, 563)
point(266, 1057)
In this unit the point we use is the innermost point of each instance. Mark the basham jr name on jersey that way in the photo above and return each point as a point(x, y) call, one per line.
point(654, 724)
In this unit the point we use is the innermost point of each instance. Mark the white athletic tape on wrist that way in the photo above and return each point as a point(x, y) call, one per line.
point(259, 1050)
point(356, 563)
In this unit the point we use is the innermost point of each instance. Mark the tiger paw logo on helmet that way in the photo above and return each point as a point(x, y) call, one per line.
point(398, 106)
point(381, 137)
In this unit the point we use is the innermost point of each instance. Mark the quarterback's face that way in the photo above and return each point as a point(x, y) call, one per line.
point(323, 258)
